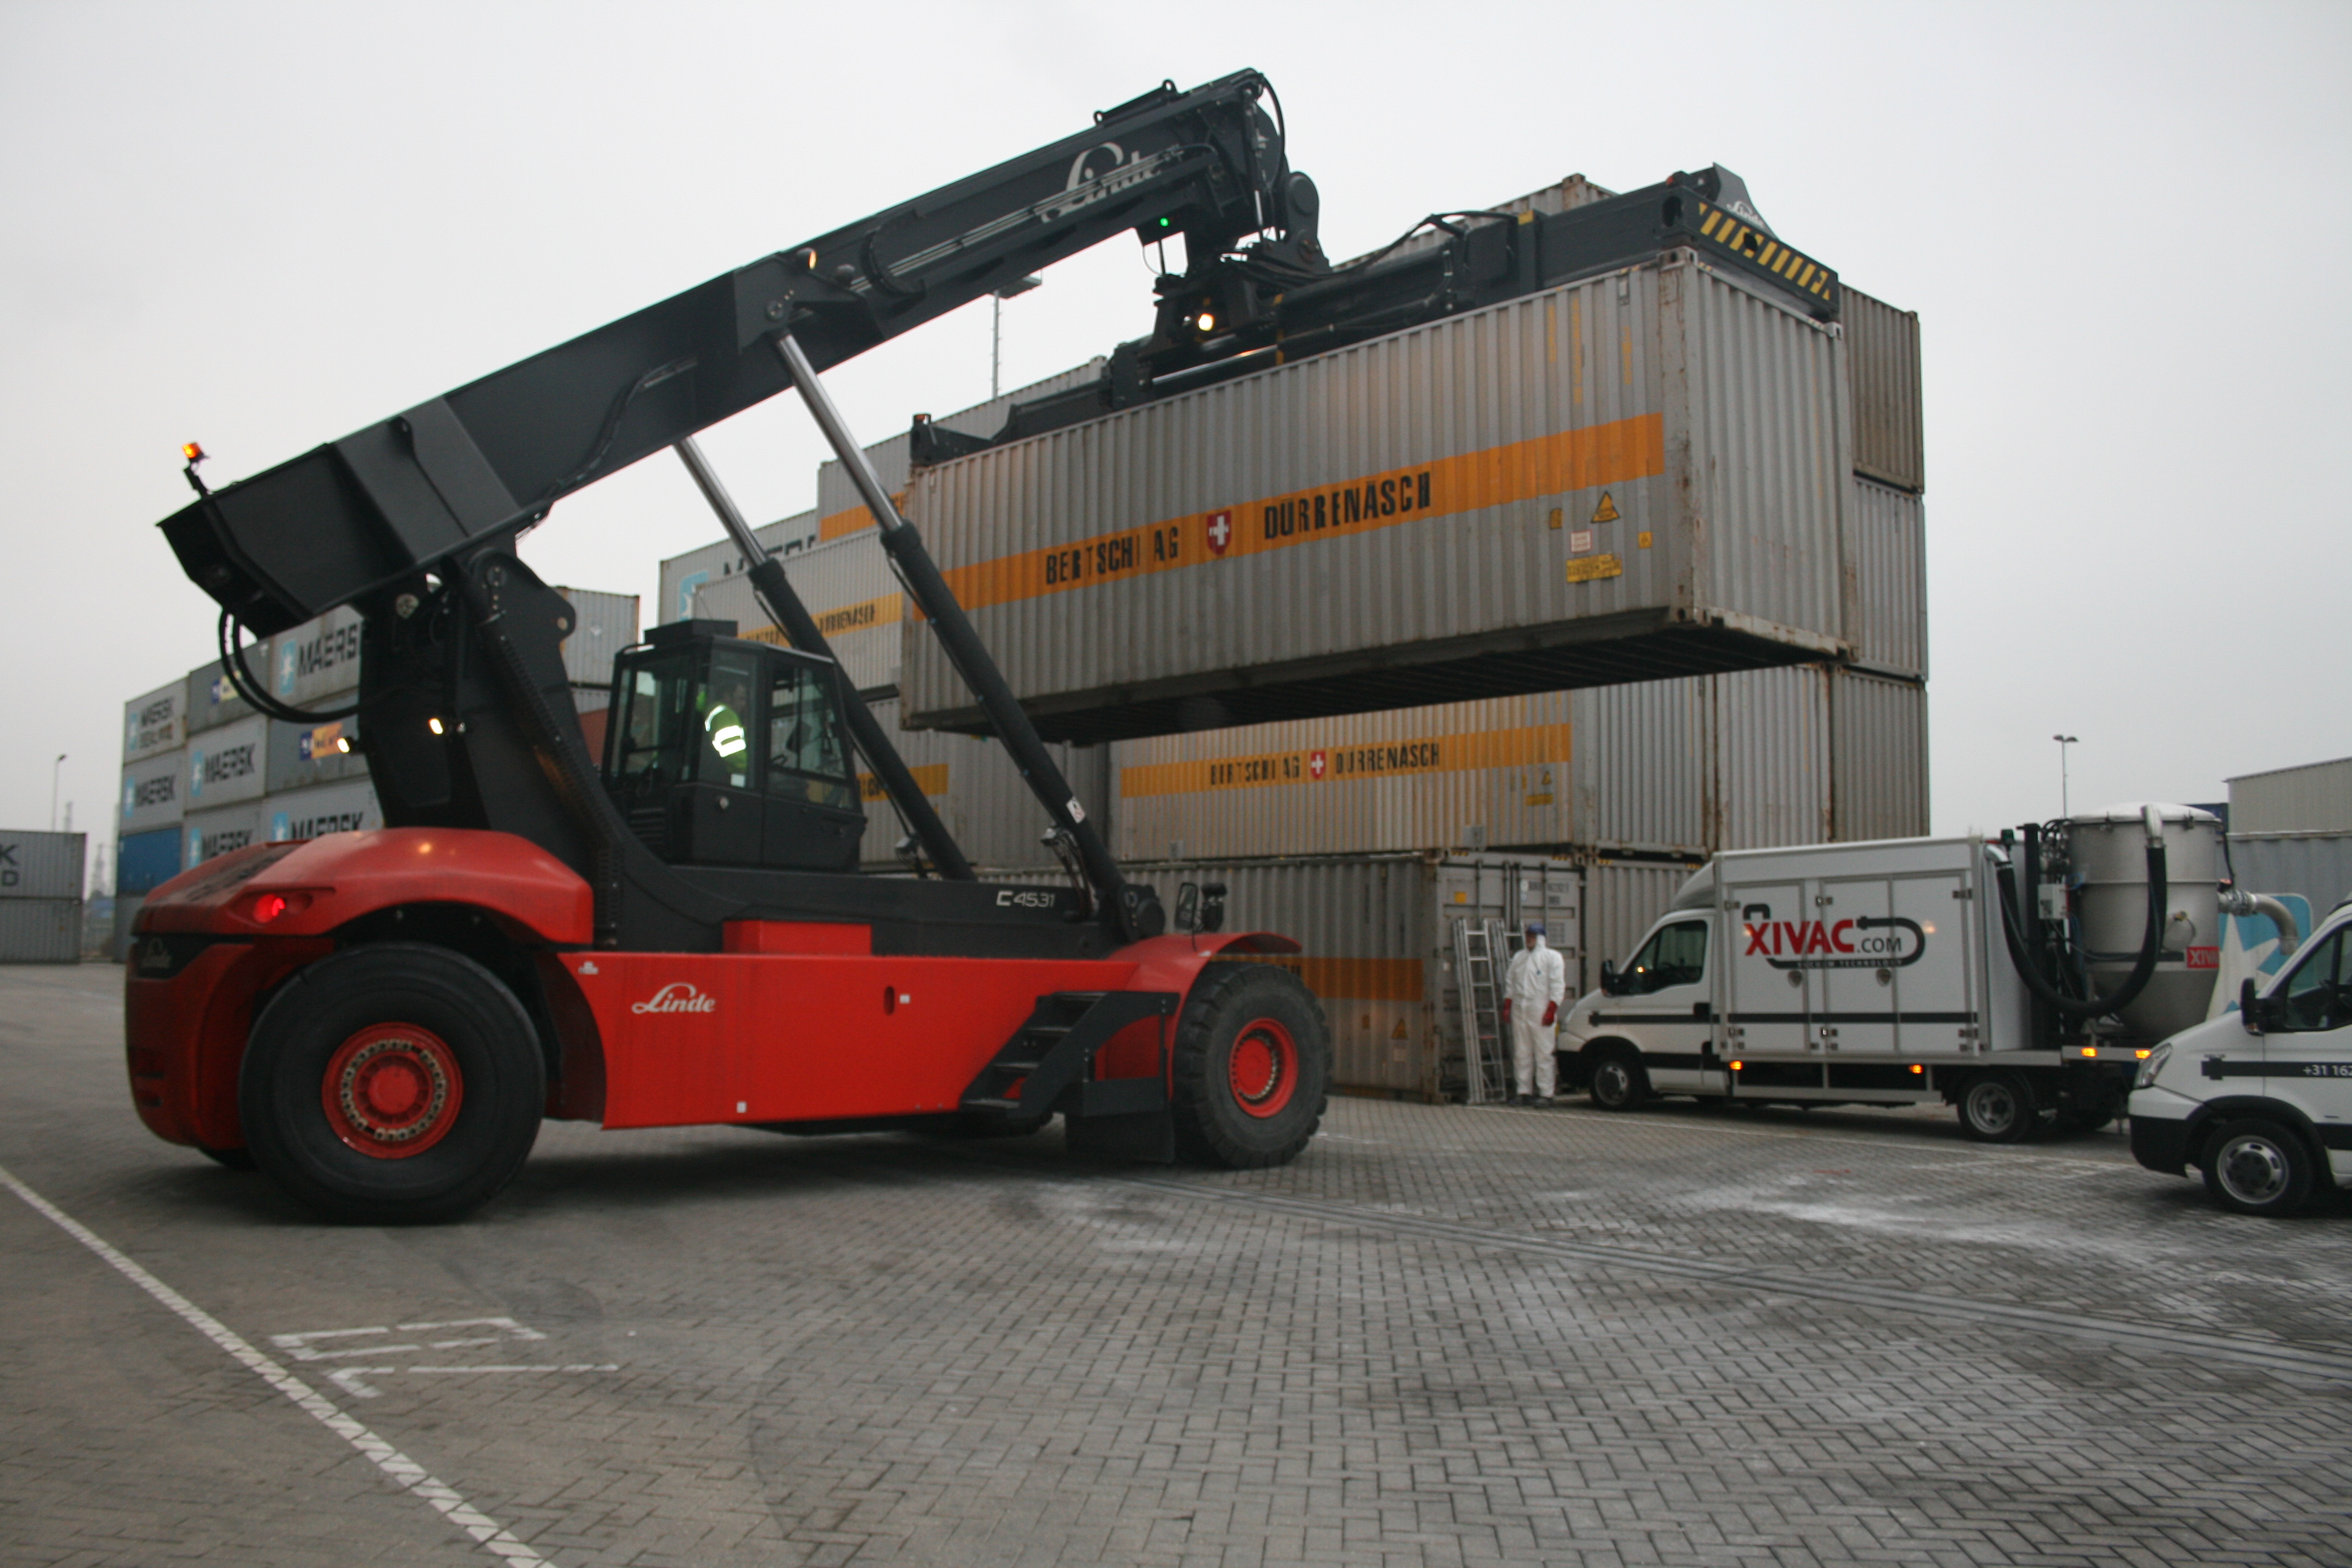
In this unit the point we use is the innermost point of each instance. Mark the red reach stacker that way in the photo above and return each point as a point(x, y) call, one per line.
point(678, 933)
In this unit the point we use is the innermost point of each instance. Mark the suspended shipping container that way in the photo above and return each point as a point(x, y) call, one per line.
point(154, 791)
point(1640, 475)
point(40, 931)
point(43, 865)
point(156, 724)
point(228, 762)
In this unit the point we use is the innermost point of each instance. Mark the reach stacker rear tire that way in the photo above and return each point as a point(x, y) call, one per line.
point(1253, 1067)
point(394, 1084)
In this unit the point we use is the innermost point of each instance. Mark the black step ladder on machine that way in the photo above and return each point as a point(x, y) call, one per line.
point(1048, 1066)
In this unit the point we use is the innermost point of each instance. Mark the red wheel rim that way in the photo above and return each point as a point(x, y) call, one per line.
point(1263, 1068)
point(392, 1091)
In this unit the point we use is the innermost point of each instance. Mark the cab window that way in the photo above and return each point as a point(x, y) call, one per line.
point(1675, 955)
point(806, 759)
point(2318, 995)
point(650, 739)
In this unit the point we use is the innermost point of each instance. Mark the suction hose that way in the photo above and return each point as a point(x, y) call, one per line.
point(2151, 944)
point(2242, 904)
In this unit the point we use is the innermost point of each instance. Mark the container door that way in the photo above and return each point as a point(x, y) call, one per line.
point(1846, 943)
point(1767, 996)
point(1928, 952)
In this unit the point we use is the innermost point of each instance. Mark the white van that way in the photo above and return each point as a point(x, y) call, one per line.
point(2260, 1099)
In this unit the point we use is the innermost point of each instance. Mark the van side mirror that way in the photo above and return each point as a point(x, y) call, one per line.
point(2251, 1009)
point(1608, 977)
point(1188, 907)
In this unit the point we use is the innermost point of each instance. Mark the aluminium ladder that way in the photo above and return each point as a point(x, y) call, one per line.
point(1486, 1054)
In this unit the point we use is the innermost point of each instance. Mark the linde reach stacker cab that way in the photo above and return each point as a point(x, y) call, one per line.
point(675, 933)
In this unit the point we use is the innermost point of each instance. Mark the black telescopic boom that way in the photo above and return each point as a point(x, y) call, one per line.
point(1135, 909)
point(865, 731)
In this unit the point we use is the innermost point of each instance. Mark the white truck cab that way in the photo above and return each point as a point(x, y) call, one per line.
point(2259, 1098)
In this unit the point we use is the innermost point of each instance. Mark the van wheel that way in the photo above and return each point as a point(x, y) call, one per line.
point(2258, 1167)
point(392, 1084)
point(1618, 1082)
point(1998, 1108)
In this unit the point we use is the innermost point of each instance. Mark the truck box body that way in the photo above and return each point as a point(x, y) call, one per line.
point(1641, 474)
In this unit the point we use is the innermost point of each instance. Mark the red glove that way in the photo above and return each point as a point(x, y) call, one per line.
point(1551, 1011)
point(1506, 1009)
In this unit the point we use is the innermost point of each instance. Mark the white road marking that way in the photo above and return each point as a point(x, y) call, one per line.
point(397, 1466)
point(352, 1380)
point(304, 1346)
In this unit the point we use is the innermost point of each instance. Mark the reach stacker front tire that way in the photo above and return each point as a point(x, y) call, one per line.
point(2258, 1167)
point(394, 1084)
point(1253, 1067)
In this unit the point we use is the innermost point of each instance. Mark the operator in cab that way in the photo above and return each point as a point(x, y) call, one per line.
point(1533, 988)
point(727, 744)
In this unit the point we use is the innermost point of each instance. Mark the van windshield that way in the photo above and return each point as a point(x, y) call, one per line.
point(1675, 955)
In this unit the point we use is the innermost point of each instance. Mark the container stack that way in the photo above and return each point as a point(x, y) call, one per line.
point(203, 773)
point(40, 897)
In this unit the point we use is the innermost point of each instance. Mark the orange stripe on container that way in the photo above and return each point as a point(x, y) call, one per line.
point(1596, 455)
point(1354, 761)
point(1349, 979)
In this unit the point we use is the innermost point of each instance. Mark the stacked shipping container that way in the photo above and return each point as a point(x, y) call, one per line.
point(40, 897)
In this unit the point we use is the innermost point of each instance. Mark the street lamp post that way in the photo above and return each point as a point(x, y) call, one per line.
point(54, 768)
point(996, 327)
point(2065, 807)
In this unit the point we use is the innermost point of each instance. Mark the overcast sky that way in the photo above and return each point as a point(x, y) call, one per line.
point(2124, 227)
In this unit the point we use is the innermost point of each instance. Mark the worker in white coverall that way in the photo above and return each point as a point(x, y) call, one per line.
point(1533, 988)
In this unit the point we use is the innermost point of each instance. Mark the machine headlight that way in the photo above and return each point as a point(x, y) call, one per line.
point(2152, 1066)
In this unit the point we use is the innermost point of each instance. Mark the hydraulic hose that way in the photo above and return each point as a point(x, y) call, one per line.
point(2143, 971)
point(241, 679)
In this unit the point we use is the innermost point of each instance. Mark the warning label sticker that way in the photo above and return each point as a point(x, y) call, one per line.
point(1607, 511)
point(1587, 568)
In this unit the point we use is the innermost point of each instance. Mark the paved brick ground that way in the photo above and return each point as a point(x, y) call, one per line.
point(1444, 1336)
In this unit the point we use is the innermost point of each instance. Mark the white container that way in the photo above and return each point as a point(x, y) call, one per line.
point(2313, 798)
point(156, 724)
point(154, 791)
point(205, 833)
point(213, 700)
point(301, 755)
point(603, 624)
point(228, 764)
point(347, 807)
point(977, 794)
point(43, 865)
point(1640, 474)
point(684, 577)
point(848, 588)
point(316, 661)
point(1887, 613)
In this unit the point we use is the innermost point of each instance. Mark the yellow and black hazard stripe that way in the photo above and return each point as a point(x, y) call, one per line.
point(1761, 250)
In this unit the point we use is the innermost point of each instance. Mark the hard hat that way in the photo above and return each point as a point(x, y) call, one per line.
point(1536, 927)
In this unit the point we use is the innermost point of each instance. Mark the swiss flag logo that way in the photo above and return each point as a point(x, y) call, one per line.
point(1220, 531)
point(1315, 764)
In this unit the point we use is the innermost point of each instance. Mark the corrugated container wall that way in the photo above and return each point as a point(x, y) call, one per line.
point(1586, 477)
point(318, 659)
point(683, 576)
point(154, 791)
point(848, 588)
point(1887, 536)
point(228, 762)
point(1878, 729)
point(156, 722)
point(145, 861)
point(1620, 899)
point(347, 807)
point(1682, 766)
point(205, 833)
point(603, 624)
point(213, 701)
point(43, 865)
point(1882, 367)
point(840, 511)
point(40, 931)
point(2317, 864)
point(301, 756)
point(977, 794)
point(2314, 798)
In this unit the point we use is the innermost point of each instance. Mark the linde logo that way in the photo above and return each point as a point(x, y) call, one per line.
point(677, 996)
point(1865, 942)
